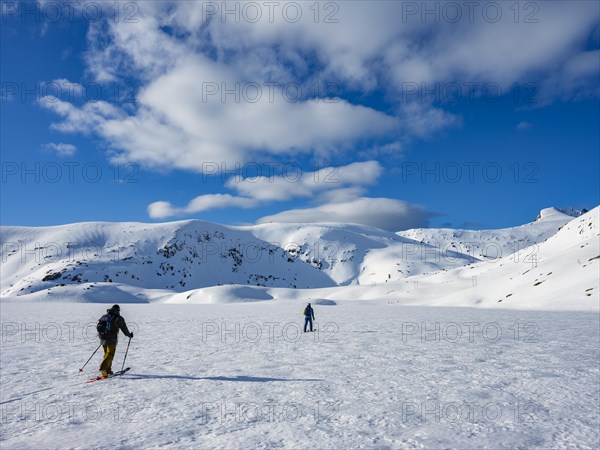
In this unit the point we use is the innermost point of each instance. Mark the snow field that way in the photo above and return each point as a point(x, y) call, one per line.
point(376, 375)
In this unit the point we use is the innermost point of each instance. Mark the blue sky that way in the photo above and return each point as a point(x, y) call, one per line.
point(374, 113)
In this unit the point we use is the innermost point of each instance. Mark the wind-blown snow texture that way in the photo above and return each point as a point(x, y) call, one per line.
point(200, 262)
point(377, 375)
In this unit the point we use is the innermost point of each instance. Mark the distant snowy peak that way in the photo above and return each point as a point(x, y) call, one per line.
point(492, 244)
point(573, 212)
point(559, 213)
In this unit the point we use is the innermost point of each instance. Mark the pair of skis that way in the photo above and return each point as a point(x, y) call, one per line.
point(116, 374)
point(102, 377)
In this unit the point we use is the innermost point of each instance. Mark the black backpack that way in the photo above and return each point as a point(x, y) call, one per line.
point(104, 326)
point(307, 311)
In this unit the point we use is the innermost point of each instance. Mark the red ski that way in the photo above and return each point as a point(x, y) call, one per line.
point(101, 377)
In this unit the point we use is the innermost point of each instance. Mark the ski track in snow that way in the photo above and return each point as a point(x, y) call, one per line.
point(369, 379)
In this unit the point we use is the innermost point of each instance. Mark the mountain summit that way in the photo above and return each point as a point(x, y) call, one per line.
point(559, 213)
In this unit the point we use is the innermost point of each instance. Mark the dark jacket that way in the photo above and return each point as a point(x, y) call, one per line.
point(309, 312)
point(118, 323)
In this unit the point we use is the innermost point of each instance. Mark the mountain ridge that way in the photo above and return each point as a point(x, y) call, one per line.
point(127, 258)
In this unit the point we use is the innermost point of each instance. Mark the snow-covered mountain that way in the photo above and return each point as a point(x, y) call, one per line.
point(174, 256)
point(145, 262)
point(561, 273)
point(573, 212)
point(494, 244)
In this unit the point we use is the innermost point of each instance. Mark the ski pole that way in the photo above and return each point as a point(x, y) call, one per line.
point(125, 357)
point(81, 370)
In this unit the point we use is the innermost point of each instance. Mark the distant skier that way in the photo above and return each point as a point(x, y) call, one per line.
point(108, 329)
point(309, 316)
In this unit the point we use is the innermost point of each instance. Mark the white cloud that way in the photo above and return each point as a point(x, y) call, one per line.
point(337, 190)
point(64, 89)
point(174, 52)
point(577, 77)
point(523, 125)
point(327, 184)
point(179, 125)
point(386, 213)
point(162, 209)
point(527, 48)
point(295, 183)
point(178, 57)
point(424, 120)
point(93, 117)
point(61, 149)
point(525, 44)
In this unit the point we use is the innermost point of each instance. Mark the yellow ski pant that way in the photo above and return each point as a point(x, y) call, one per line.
point(109, 354)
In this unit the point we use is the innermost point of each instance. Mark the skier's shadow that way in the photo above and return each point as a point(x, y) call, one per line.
point(24, 395)
point(243, 378)
point(257, 379)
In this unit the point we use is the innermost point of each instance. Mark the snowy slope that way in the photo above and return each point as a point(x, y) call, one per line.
point(200, 262)
point(560, 273)
point(188, 255)
point(357, 254)
point(176, 256)
point(91, 261)
point(494, 244)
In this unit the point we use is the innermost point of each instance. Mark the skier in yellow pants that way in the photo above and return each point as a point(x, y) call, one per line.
point(109, 354)
point(108, 330)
